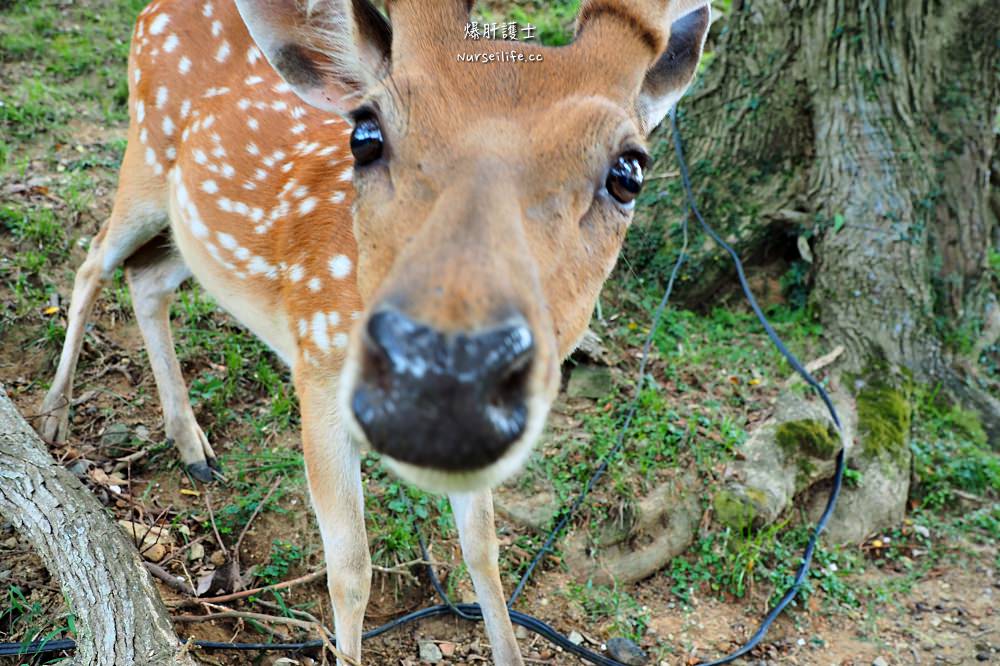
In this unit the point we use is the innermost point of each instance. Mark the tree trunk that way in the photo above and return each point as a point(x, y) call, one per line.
point(857, 138)
point(120, 617)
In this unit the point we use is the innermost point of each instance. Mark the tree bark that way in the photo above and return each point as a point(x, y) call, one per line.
point(869, 128)
point(120, 617)
point(858, 139)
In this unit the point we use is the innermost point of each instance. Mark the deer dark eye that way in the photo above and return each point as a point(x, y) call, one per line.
point(366, 141)
point(625, 178)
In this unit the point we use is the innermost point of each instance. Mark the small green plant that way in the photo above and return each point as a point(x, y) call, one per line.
point(951, 453)
point(627, 617)
point(284, 556)
point(33, 621)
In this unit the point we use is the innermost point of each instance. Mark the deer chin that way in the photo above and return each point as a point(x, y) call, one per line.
point(510, 463)
point(450, 481)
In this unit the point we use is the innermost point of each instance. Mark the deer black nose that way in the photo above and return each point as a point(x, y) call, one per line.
point(448, 401)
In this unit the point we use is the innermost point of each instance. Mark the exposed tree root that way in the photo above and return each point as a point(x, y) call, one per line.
point(120, 617)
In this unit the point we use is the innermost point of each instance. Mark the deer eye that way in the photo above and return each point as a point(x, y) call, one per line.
point(366, 141)
point(625, 178)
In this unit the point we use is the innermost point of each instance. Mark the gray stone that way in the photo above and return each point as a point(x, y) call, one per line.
point(116, 439)
point(880, 661)
point(627, 652)
point(430, 652)
point(80, 467)
point(534, 510)
point(588, 381)
point(575, 637)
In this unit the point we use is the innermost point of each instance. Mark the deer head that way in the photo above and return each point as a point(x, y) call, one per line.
point(492, 199)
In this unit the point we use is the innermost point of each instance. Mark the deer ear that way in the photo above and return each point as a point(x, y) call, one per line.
point(328, 51)
point(669, 77)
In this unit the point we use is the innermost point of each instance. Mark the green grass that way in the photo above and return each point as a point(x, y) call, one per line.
point(628, 618)
point(76, 71)
point(26, 616)
point(553, 21)
point(951, 454)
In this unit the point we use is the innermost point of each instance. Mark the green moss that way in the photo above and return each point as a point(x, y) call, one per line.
point(968, 425)
point(738, 509)
point(810, 436)
point(884, 416)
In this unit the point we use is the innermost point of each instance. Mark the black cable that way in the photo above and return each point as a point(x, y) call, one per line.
point(472, 612)
point(620, 441)
point(838, 477)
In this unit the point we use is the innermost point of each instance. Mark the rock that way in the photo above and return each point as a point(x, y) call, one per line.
point(535, 510)
point(155, 553)
point(430, 652)
point(880, 661)
point(588, 381)
point(575, 637)
point(80, 467)
point(196, 552)
point(627, 652)
point(218, 558)
point(447, 649)
point(146, 535)
point(521, 633)
point(115, 440)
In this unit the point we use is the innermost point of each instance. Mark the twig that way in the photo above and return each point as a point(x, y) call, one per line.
point(125, 461)
point(149, 530)
point(301, 580)
point(401, 569)
point(87, 396)
point(253, 516)
point(181, 550)
point(171, 580)
point(243, 615)
point(969, 496)
point(818, 364)
point(237, 615)
point(294, 611)
point(261, 617)
point(211, 517)
point(325, 637)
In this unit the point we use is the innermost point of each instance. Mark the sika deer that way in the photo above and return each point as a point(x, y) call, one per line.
point(489, 205)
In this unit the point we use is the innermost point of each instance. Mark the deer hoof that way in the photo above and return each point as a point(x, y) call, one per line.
point(201, 472)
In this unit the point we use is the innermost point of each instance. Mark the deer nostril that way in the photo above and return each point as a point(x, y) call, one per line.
point(511, 377)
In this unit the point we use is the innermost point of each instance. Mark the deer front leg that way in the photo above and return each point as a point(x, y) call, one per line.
point(333, 468)
point(477, 533)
